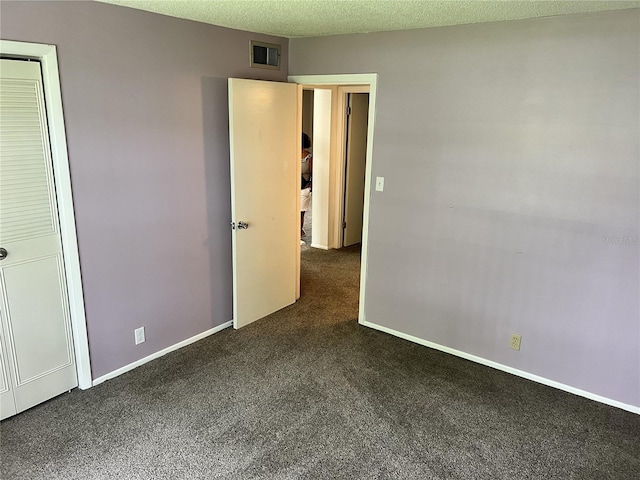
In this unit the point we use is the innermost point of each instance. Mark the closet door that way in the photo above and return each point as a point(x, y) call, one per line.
point(34, 309)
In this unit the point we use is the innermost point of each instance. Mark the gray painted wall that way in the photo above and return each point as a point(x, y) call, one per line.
point(145, 104)
point(510, 153)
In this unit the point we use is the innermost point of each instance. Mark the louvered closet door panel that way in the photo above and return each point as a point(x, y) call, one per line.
point(26, 192)
point(36, 324)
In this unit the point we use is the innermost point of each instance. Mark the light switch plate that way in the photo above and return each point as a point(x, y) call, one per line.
point(379, 184)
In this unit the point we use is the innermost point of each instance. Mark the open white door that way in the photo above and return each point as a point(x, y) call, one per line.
point(264, 137)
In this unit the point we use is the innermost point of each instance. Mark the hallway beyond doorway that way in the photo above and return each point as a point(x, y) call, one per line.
point(307, 227)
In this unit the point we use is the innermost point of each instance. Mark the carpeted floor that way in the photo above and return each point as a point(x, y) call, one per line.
point(308, 393)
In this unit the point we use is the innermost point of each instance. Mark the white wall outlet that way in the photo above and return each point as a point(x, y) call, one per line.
point(139, 333)
point(379, 184)
point(515, 341)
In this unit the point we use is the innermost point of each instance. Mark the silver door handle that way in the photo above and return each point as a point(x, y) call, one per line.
point(3, 253)
point(242, 226)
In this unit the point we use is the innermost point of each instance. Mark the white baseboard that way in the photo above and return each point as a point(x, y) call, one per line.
point(160, 353)
point(505, 368)
point(320, 247)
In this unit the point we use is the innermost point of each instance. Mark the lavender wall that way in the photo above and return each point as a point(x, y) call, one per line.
point(145, 104)
point(510, 153)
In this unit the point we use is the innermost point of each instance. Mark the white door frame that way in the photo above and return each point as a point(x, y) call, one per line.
point(370, 79)
point(341, 160)
point(46, 55)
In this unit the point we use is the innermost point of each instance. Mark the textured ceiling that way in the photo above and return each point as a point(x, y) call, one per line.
point(309, 18)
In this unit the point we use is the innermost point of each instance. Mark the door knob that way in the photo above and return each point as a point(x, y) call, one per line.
point(3, 253)
point(242, 226)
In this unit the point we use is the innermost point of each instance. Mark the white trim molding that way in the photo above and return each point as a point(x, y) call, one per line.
point(47, 56)
point(160, 353)
point(507, 369)
point(370, 79)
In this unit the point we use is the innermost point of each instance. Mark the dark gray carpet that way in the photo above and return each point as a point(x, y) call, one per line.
point(308, 393)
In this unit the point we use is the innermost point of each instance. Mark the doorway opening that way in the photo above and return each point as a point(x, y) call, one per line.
point(350, 159)
point(355, 157)
point(337, 114)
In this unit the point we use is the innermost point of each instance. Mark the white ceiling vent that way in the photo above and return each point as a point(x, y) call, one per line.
point(265, 55)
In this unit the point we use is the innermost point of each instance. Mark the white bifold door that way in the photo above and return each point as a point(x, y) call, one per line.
point(37, 357)
point(264, 131)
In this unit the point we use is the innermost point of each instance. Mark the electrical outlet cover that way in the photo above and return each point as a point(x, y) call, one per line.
point(514, 343)
point(139, 335)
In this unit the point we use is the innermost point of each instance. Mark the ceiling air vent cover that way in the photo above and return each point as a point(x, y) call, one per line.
point(265, 55)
